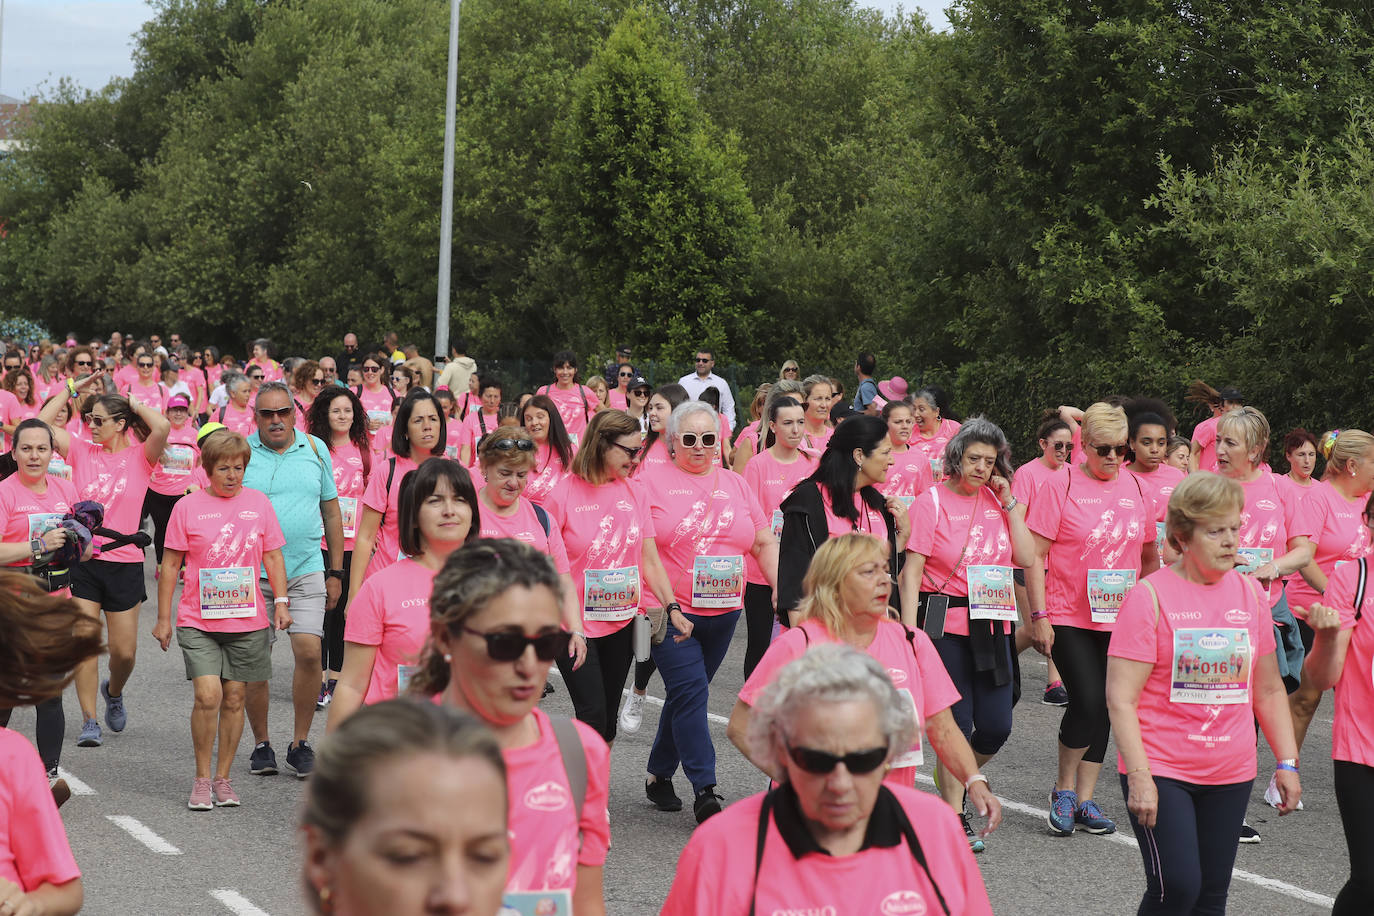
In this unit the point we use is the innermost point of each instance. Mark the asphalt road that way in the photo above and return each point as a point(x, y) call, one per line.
point(142, 852)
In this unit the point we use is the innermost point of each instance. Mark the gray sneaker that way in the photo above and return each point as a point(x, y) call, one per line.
point(90, 734)
point(115, 716)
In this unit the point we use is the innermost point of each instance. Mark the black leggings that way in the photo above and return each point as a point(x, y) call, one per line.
point(332, 647)
point(758, 619)
point(48, 730)
point(159, 507)
point(1081, 657)
point(1190, 850)
point(595, 688)
point(1355, 799)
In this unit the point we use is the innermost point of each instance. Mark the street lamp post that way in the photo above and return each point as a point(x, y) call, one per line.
point(446, 206)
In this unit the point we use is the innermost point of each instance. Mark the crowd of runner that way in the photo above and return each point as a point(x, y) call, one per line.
point(430, 543)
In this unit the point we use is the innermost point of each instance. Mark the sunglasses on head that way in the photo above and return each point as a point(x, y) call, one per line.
point(1104, 450)
point(820, 762)
point(509, 645)
point(633, 452)
point(268, 412)
point(506, 445)
point(689, 440)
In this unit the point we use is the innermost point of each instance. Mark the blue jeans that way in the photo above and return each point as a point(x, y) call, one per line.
point(684, 736)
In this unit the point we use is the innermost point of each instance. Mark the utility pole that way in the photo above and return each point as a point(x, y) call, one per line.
point(446, 207)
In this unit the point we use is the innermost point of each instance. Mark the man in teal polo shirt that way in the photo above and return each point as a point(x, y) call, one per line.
point(294, 470)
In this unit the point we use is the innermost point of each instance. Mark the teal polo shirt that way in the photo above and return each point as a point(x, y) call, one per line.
point(296, 481)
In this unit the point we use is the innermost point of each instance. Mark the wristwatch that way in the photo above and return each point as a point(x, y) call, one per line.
point(36, 546)
point(334, 574)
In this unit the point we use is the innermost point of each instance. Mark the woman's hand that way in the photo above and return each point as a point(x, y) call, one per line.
point(577, 650)
point(1290, 791)
point(162, 632)
point(1042, 636)
point(53, 539)
point(1321, 617)
point(1142, 798)
point(683, 625)
point(986, 804)
point(1001, 488)
point(14, 902)
point(903, 521)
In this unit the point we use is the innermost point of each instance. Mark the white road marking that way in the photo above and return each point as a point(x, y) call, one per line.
point(138, 831)
point(236, 903)
point(77, 786)
point(655, 701)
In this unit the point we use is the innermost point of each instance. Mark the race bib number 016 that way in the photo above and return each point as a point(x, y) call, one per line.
point(610, 594)
point(228, 592)
point(718, 582)
point(1107, 588)
point(1211, 667)
point(991, 594)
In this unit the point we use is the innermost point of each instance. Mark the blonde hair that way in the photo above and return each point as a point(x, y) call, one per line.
point(1103, 423)
point(1200, 496)
point(490, 457)
point(1251, 426)
point(835, 559)
point(1351, 445)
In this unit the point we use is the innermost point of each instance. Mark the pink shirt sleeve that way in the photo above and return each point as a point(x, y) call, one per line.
point(175, 538)
point(375, 496)
point(1134, 637)
point(366, 619)
point(34, 832)
point(557, 549)
point(786, 648)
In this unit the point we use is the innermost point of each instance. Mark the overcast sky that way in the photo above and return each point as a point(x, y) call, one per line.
point(90, 40)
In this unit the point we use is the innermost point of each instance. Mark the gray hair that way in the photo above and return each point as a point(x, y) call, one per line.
point(269, 387)
point(782, 388)
point(1252, 429)
point(925, 394)
point(978, 430)
point(680, 414)
point(811, 381)
point(830, 673)
point(232, 380)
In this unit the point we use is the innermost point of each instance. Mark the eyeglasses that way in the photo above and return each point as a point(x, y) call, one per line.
point(317, 382)
point(689, 440)
point(368, 370)
point(506, 445)
point(268, 413)
point(627, 375)
point(1061, 446)
point(83, 362)
point(97, 422)
point(256, 376)
point(509, 645)
point(703, 359)
point(143, 365)
point(820, 762)
point(632, 452)
point(1104, 450)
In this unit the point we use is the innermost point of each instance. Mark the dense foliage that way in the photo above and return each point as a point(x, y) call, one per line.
point(1054, 201)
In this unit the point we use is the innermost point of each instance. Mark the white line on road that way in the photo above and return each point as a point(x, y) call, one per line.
point(655, 701)
point(135, 829)
point(77, 786)
point(238, 904)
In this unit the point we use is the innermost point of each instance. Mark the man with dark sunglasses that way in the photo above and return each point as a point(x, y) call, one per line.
point(697, 382)
point(294, 470)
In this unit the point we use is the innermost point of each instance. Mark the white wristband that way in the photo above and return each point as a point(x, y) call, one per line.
point(976, 777)
point(281, 600)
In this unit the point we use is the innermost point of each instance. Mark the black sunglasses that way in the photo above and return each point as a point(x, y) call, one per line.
point(1061, 446)
point(819, 762)
point(689, 440)
point(255, 375)
point(627, 375)
point(83, 362)
point(372, 368)
point(703, 360)
point(509, 645)
point(505, 445)
point(143, 365)
point(267, 412)
point(632, 452)
point(1104, 450)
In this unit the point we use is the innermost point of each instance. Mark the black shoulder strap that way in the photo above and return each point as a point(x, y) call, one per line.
point(916, 852)
point(543, 517)
point(390, 473)
point(221, 412)
point(765, 813)
point(358, 391)
point(1359, 588)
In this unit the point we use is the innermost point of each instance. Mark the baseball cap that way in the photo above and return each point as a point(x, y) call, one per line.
point(178, 400)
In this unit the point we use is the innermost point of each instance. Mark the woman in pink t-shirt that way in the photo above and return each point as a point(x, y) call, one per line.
point(822, 841)
point(494, 623)
point(910, 474)
point(225, 533)
point(746, 444)
point(1094, 531)
point(1204, 457)
point(553, 451)
point(377, 398)
point(1191, 669)
point(237, 412)
point(817, 396)
point(574, 403)
point(113, 471)
point(619, 396)
point(1149, 442)
point(966, 535)
point(1300, 451)
point(388, 620)
point(418, 435)
point(605, 525)
point(145, 385)
point(932, 432)
point(337, 419)
point(706, 520)
point(262, 359)
point(482, 421)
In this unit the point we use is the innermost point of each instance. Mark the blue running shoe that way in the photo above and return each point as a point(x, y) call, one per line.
point(1063, 811)
point(975, 842)
point(115, 716)
point(90, 734)
point(1089, 817)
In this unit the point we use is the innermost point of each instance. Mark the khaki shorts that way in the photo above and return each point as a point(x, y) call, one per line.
point(243, 657)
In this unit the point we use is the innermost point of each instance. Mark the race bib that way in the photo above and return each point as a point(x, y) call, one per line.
point(610, 594)
point(536, 903)
point(379, 416)
point(1211, 667)
point(991, 595)
point(1159, 540)
point(403, 675)
point(1249, 559)
point(906, 501)
point(777, 524)
point(40, 523)
point(59, 468)
point(177, 460)
point(718, 582)
point(1107, 588)
point(348, 509)
point(228, 591)
point(937, 468)
point(451, 452)
point(915, 756)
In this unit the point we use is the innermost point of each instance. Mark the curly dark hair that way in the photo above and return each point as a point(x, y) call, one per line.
point(317, 421)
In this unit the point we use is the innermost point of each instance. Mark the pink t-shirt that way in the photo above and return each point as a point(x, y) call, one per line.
point(125, 376)
point(1159, 485)
point(476, 425)
point(771, 481)
point(909, 476)
point(174, 470)
point(603, 530)
point(655, 456)
point(716, 873)
point(870, 519)
point(617, 400)
point(749, 434)
point(1029, 478)
point(118, 481)
point(548, 471)
point(814, 443)
point(1338, 530)
point(1196, 709)
point(194, 380)
point(706, 525)
point(524, 525)
point(154, 393)
point(224, 540)
point(1352, 730)
point(377, 402)
point(955, 532)
point(575, 406)
point(351, 483)
point(240, 419)
point(913, 665)
point(1098, 529)
point(1271, 518)
point(271, 369)
point(1205, 438)
point(378, 497)
point(544, 825)
point(934, 446)
point(457, 435)
point(27, 515)
point(33, 843)
point(391, 612)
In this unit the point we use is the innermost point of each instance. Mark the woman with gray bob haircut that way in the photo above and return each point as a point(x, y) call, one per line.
point(981, 430)
point(829, 726)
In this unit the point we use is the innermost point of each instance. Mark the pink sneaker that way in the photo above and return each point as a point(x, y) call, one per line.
point(200, 795)
point(225, 796)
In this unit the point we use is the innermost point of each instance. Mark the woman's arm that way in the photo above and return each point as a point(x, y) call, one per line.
point(166, 585)
point(743, 454)
point(1271, 709)
point(275, 567)
point(1300, 552)
point(1125, 680)
point(765, 551)
point(352, 686)
point(364, 540)
point(1149, 557)
point(954, 752)
point(658, 580)
point(44, 900)
point(1322, 667)
point(738, 733)
point(1042, 634)
point(572, 621)
point(1023, 552)
point(158, 428)
point(590, 896)
point(911, 586)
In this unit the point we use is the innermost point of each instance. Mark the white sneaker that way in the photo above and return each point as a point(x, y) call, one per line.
point(1271, 794)
point(632, 713)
